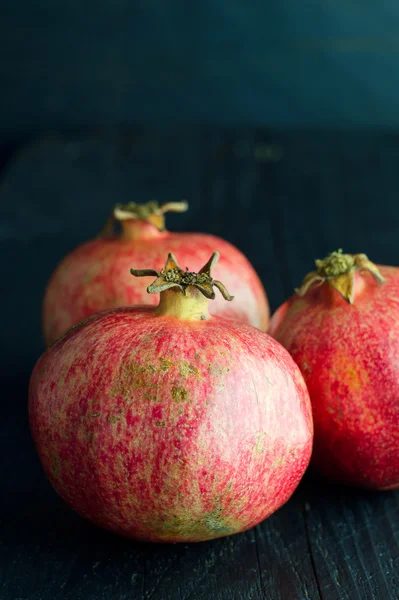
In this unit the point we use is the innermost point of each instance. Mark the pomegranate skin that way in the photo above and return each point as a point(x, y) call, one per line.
point(348, 355)
point(96, 276)
point(167, 430)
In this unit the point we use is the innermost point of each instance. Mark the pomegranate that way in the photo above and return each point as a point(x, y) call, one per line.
point(167, 424)
point(342, 329)
point(95, 276)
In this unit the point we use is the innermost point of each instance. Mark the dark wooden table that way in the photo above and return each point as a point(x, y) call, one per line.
point(284, 199)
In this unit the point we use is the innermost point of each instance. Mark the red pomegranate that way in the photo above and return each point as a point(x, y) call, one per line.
point(95, 276)
point(342, 329)
point(167, 424)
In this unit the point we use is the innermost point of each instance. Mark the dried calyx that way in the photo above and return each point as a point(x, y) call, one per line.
point(151, 212)
point(173, 276)
point(338, 270)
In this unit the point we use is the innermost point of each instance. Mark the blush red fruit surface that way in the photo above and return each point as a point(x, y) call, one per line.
point(349, 357)
point(95, 276)
point(163, 429)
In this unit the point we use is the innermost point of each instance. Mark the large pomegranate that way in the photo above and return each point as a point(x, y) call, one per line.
point(167, 424)
point(342, 329)
point(95, 276)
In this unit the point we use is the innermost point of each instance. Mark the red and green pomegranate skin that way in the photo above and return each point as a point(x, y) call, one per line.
point(95, 276)
point(349, 357)
point(170, 429)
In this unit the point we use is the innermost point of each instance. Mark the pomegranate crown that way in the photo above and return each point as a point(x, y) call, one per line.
point(338, 269)
point(151, 211)
point(172, 275)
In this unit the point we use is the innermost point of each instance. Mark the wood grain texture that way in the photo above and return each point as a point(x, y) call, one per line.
point(354, 539)
point(284, 199)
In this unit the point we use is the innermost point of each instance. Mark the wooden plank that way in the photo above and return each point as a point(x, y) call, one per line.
point(354, 538)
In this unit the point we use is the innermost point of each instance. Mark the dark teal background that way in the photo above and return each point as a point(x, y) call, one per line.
point(285, 63)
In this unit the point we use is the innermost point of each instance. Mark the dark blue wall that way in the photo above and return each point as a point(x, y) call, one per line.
point(288, 63)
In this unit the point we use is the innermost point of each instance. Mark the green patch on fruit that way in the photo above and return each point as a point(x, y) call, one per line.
point(219, 375)
point(160, 423)
point(89, 276)
point(218, 370)
point(165, 364)
point(113, 419)
point(215, 523)
point(133, 375)
point(277, 463)
point(259, 446)
point(179, 394)
point(187, 369)
point(97, 414)
point(185, 527)
point(297, 307)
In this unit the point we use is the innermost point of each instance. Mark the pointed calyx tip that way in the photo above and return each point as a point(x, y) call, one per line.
point(338, 269)
point(152, 211)
point(172, 275)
